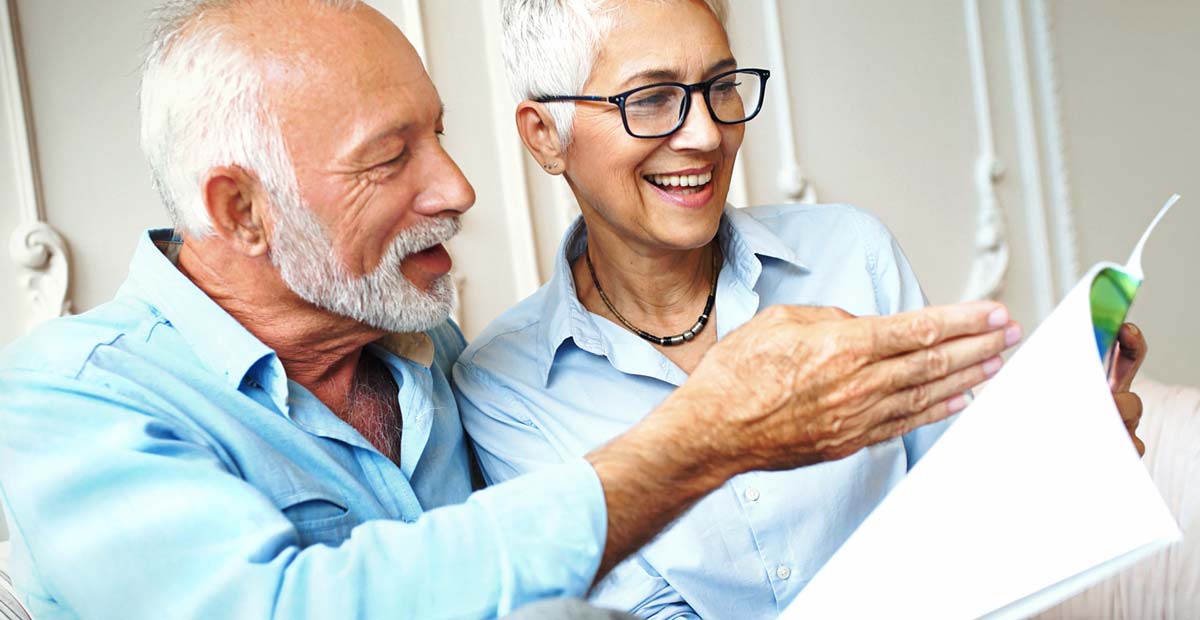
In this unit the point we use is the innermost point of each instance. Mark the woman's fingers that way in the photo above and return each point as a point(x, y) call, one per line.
point(1131, 352)
point(896, 334)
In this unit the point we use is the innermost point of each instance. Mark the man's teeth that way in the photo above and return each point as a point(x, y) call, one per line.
point(680, 180)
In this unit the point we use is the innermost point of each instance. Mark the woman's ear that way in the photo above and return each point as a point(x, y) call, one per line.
point(540, 136)
point(236, 209)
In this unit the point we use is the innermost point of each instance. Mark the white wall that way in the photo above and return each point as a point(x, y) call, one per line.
point(883, 111)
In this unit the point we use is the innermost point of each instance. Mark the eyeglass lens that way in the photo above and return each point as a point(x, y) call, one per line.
point(657, 110)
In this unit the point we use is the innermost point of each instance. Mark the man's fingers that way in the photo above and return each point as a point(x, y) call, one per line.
point(1131, 352)
point(895, 334)
point(926, 365)
point(905, 425)
point(920, 398)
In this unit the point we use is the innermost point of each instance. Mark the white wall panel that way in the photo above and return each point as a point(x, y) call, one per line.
point(1091, 105)
point(1131, 111)
point(82, 60)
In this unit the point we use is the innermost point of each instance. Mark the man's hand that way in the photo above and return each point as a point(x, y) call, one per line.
point(800, 385)
point(1131, 352)
point(792, 387)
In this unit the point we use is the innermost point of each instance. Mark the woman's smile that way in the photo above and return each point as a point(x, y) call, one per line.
point(691, 188)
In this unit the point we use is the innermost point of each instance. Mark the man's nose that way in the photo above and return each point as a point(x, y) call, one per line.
point(447, 193)
point(699, 131)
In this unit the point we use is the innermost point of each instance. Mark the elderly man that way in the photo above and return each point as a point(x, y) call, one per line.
point(260, 425)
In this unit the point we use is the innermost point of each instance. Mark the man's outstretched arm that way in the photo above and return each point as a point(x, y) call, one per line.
point(793, 387)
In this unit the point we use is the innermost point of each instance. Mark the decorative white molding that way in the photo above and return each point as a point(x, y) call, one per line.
point(1029, 158)
point(990, 265)
point(456, 310)
point(1062, 219)
point(414, 27)
point(511, 162)
point(407, 16)
point(38, 250)
point(792, 182)
point(565, 206)
point(738, 196)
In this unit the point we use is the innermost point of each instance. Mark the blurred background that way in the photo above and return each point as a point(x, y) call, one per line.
point(1009, 144)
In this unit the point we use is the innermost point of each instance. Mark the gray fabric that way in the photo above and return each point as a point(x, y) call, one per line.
point(566, 609)
point(10, 608)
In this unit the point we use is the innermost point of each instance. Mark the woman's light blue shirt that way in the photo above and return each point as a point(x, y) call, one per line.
point(549, 381)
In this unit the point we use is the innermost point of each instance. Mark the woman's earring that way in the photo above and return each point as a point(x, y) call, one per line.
point(550, 166)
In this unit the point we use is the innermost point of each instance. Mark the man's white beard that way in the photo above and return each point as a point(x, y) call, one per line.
point(384, 298)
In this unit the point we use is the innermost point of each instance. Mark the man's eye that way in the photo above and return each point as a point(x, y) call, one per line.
point(393, 161)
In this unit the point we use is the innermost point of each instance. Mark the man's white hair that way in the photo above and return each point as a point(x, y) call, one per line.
point(551, 45)
point(203, 106)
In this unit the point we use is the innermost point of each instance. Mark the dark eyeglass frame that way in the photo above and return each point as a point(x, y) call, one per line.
point(704, 87)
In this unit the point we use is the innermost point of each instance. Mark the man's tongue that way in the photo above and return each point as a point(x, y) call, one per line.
point(433, 260)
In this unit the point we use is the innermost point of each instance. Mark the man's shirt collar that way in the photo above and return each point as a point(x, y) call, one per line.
point(744, 242)
point(218, 340)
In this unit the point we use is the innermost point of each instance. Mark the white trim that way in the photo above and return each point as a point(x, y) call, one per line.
point(1062, 220)
point(738, 196)
point(408, 17)
point(791, 179)
point(1029, 157)
point(414, 27)
point(510, 160)
point(38, 250)
point(456, 310)
point(990, 264)
point(565, 205)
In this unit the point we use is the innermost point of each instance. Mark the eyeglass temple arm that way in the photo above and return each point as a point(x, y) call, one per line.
point(574, 98)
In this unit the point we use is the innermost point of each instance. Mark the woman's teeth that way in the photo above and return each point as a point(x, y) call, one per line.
point(685, 183)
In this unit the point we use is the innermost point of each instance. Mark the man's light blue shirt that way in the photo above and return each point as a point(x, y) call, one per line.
point(548, 381)
point(156, 462)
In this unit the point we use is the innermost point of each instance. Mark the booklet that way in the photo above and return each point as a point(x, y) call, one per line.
point(1034, 493)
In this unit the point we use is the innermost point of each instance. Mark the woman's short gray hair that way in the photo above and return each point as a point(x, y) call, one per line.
point(551, 45)
point(203, 106)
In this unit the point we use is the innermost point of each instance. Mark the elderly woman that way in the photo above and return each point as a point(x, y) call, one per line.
point(640, 105)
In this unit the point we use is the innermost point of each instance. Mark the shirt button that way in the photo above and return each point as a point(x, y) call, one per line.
point(783, 572)
point(752, 494)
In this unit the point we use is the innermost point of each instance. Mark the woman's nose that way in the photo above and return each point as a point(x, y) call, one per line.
point(699, 131)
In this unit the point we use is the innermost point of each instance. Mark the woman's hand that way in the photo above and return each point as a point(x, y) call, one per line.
point(1131, 352)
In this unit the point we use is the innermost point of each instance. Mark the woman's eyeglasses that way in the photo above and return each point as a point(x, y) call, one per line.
point(659, 110)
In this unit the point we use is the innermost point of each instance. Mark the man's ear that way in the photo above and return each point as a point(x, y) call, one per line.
point(236, 209)
point(540, 136)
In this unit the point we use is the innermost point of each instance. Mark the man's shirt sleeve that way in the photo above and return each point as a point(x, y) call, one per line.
point(510, 445)
point(123, 511)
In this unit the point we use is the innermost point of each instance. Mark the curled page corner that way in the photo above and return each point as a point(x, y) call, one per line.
point(1033, 494)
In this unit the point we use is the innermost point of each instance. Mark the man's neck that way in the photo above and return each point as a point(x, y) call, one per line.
point(318, 349)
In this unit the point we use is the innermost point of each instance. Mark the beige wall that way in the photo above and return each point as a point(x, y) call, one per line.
point(883, 113)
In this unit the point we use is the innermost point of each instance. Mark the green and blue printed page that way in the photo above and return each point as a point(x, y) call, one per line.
point(1034, 493)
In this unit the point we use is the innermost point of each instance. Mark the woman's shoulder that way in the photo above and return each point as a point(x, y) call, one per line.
point(819, 219)
point(813, 233)
point(510, 341)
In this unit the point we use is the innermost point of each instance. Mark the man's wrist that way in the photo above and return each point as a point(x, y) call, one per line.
point(651, 474)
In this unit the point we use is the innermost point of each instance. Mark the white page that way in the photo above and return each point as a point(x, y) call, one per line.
point(1033, 494)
